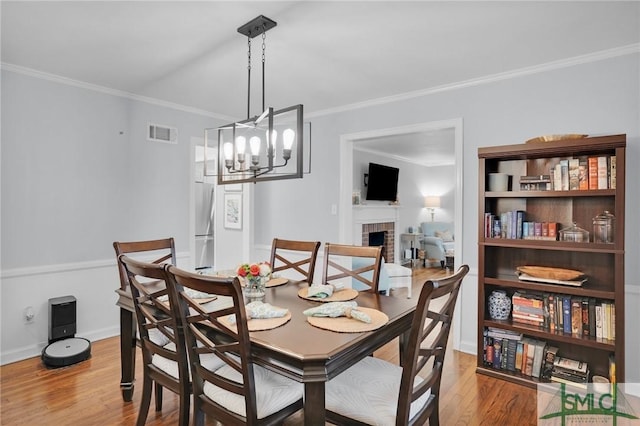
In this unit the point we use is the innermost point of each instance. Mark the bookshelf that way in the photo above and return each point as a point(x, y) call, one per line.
point(551, 201)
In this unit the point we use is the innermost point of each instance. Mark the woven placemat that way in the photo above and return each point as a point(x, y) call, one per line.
point(350, 325)
point(274, 282)
point(337, 296)
point(259, 324)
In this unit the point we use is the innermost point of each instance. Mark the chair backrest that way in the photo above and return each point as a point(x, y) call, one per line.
point(161, 251)
point(159, 329)
point(426, 347)
point(339, 264)
point(304, 266)
point(206, 334)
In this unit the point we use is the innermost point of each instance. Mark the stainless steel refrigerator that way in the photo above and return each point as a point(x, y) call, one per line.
point(205, 211)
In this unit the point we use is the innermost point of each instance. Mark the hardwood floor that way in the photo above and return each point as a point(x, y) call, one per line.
point(88, 393)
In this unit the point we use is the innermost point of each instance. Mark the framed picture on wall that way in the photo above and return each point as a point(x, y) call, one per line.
point(233, 210)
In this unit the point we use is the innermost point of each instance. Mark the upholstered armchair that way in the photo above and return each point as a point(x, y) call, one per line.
point(438, 240)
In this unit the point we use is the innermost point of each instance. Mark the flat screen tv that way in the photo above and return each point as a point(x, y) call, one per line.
point(382, 184)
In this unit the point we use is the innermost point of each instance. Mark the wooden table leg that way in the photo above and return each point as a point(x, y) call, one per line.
point(314, 404)
point(127, 353)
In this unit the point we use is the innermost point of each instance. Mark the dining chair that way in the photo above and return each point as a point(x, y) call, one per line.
point(239, 392)
point(360, 263)
point(285, 256)
point(153, 251)
point(164, 354)
point(374, 391)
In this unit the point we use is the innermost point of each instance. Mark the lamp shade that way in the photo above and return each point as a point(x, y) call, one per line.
point(432, 202)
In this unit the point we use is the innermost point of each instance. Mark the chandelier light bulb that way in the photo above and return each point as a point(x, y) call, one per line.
point(287, 142)
point(254, 144)
point(241, 144)
point(228, 151)
point(272, 140)
point(287, 138)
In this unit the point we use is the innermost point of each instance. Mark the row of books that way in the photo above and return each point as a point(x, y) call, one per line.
point(575, 315)
point(512, 225)
point(511, 351)
point(506, 350)
point(583, 173)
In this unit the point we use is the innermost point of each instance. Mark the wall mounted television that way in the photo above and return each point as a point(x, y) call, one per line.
point(382, 182)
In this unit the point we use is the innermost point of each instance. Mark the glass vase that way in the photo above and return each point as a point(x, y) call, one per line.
point(255, 288)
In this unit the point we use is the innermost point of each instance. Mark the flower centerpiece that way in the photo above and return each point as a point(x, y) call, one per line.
point(255, 276)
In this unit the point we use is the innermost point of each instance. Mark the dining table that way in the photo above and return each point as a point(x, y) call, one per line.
point(300, 350)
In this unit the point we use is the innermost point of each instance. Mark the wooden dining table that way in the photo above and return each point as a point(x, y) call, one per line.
point(303, 352)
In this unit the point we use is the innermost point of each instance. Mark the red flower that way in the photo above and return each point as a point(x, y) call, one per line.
point(254, 270)
point(242, 271)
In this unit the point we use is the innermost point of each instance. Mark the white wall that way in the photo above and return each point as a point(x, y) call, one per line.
point(78, 174)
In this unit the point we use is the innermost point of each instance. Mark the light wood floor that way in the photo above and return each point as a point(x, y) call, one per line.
point(88, 393)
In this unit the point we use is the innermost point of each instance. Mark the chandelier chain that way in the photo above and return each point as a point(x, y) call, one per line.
point(264, 47)
point(248, 75)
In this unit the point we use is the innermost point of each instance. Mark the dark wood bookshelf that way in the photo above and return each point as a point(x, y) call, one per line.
point(602, 264)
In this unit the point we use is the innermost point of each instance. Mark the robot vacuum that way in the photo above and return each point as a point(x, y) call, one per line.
point(62, 353)
point(64, 348)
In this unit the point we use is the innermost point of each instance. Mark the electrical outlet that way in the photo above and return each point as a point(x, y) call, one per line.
point(29, 315)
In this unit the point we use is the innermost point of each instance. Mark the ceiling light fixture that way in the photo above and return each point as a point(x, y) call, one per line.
point(265, 147)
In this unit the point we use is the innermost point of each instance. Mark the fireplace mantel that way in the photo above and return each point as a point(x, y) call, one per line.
point(367, 214)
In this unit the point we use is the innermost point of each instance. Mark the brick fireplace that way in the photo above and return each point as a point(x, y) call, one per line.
point(388, 230)
point(371, 218)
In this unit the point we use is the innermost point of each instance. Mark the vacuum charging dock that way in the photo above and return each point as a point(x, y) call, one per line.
point(64, 348)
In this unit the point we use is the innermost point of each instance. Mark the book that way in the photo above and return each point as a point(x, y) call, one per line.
point(566, 314)
point(574, 174)
point(598, 310)
point(553, 320)
point(593, 172)
point(582, 386)
point(557, 177)
point(585, 316)
point(519, 349)
point(592, 317)
point(564, 174)
point(576, 316)
point(612, 369)
point(550, 354)
point(583, 170)
point(528, 360)
point(503, 334)
point(603, 173)
point(571, 365)
point(612, 172)
point(497, 353)
point(538, 358)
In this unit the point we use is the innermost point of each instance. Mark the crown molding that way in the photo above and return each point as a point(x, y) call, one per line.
point(520, 72)
point(108, 91)
point(536, 69)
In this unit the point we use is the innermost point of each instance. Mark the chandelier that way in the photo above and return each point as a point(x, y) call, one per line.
point(268, 146)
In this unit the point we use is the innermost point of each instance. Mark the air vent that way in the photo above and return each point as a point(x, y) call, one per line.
point(159, 133)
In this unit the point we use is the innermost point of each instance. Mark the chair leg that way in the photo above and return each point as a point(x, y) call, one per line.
point(145, 401)
point(158, 393)
point(442, 264)
point(198, 414)
point(184, 408)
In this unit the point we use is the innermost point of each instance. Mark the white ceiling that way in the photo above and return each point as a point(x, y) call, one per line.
point(326, 55)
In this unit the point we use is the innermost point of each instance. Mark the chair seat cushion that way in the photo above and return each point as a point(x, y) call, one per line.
point(210, 361)
point(368, 392)
point(273, 391)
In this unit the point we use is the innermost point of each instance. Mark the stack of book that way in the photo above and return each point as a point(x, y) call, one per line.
point(570, 371)
point(535, 183)
point(529, 308)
